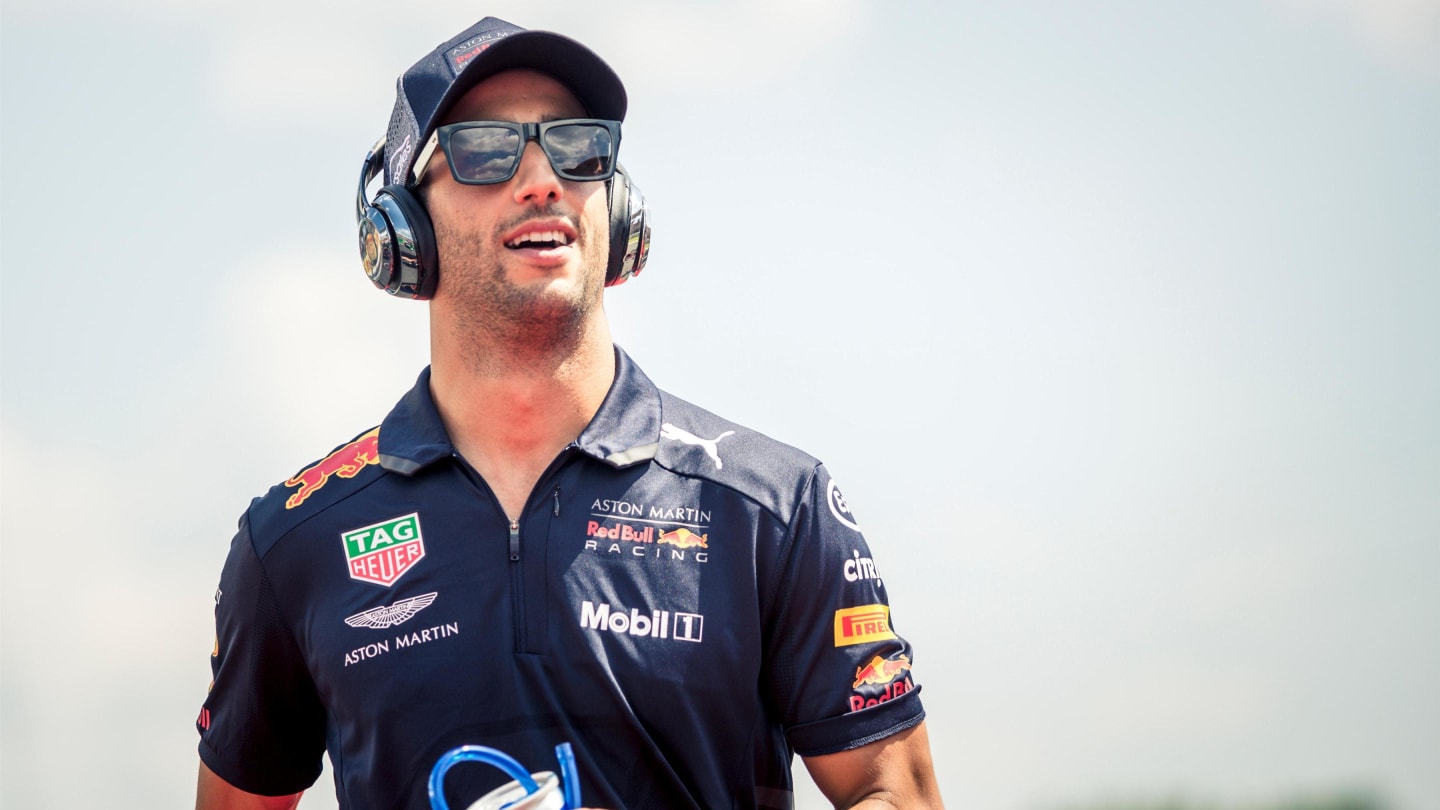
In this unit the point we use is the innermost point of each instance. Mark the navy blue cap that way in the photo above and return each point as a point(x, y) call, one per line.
point(425, 91)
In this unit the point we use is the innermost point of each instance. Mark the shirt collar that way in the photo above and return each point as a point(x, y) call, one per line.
point(624, 431)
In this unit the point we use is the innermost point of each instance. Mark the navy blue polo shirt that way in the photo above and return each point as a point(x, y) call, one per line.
point(684, 600)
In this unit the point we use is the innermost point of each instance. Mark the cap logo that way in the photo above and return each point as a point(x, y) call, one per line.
point(400, 158)
point(460, 55)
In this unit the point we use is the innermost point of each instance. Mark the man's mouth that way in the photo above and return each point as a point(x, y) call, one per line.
point(540, 239)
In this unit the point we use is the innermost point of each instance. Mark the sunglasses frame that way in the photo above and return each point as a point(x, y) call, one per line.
point(528, 132)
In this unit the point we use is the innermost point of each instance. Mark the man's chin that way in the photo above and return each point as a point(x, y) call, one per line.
point(558, 298)
point(541, 280)
point(566, 280)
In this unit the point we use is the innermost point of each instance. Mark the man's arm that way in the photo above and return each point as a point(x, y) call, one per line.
point(214, 793)
point(893, 772)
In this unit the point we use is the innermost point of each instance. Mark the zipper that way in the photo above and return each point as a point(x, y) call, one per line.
point(517, 571)
point(520, 599)
point(517, 587)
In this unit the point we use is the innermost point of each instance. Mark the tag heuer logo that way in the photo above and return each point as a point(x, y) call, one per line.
point(382, 553)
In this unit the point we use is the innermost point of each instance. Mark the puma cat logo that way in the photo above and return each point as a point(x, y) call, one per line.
point(669, 431)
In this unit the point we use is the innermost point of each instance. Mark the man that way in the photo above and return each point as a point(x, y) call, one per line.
point(537, 545)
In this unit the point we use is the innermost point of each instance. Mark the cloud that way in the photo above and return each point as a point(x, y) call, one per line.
point(1402, 33)
point(734, 45)
point(279, 76)
point(277, 64)
point(111, 553)
point(274, 73)
point(312, 353)
point(105, 635)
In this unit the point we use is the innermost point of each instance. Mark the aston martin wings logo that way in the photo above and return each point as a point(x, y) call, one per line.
point(391, 615)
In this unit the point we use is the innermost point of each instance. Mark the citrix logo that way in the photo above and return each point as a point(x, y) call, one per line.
point(657, 624)
point(861, 568)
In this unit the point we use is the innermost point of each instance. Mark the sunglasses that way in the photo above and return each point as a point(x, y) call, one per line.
point(485, 152)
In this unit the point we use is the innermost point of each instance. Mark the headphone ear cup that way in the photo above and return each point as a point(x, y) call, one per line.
point(629, 230)
point(397, 244)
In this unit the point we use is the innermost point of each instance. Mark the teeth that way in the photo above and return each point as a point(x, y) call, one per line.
point(555, 237)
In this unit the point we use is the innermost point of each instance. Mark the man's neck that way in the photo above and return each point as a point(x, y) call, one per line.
point(510, 418)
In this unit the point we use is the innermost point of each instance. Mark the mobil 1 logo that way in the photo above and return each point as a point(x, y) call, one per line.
point(653, 624)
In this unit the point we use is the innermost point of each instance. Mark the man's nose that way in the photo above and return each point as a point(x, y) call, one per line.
point(535, 179)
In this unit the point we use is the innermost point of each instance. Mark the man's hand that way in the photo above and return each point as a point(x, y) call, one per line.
point(888, 773)
point(214, 793)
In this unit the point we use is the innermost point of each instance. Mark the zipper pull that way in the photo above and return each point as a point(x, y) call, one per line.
point(514, 540)
point(557, 501)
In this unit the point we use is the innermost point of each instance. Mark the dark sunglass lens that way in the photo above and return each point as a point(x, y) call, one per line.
point(484, 154)
point(580, 151)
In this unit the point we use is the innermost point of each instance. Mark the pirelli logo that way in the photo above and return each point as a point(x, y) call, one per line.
point(858, 625)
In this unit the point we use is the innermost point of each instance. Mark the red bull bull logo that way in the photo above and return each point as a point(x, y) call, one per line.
point(347, 462)
point(684, 538)
point(881, 670)
point(891, 675)
point(646, 542)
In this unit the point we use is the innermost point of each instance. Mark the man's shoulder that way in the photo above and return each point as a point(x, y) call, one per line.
point(697, 443)
point(316, 487)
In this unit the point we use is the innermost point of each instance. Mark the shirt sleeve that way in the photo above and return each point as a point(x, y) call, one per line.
point(838, 673)
point(262, 727)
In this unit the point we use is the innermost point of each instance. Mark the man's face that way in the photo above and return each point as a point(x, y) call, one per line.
point(491, 274)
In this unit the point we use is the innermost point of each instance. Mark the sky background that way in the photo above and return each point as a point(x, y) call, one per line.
point(1117, 320)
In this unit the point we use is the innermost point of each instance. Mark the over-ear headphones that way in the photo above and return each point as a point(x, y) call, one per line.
point(397, 240)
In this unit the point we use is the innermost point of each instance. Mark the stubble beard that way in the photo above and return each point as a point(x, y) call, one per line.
point(498, 324)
